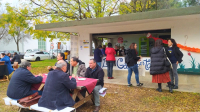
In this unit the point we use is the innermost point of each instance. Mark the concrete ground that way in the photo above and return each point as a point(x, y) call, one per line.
point(187, 83)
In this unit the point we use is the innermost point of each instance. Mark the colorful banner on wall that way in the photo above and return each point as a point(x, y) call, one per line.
point(156, 38)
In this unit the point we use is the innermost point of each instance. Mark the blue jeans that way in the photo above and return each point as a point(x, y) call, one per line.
point(99, 63)
point(130, 70)
point(109, 68)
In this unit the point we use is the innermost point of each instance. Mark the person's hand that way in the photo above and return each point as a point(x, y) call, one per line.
point(49, 67)
point(40, 74)
point(177, 62)
point(73, 76)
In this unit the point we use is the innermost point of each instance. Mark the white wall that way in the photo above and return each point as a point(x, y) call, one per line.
point(65, 46)
point(31, 44)
point(179, 28)
point(10, 46)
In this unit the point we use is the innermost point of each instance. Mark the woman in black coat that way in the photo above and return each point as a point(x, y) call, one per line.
point(132, 64)
point(16, 58)
point(175, 56)
point(158, 70)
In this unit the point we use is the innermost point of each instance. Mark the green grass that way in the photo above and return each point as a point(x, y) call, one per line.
point(43, 63)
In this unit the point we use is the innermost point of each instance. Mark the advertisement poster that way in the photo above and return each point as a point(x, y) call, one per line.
point(85, 43)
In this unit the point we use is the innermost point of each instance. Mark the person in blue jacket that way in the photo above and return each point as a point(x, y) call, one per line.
point(56, 93)
point(7, 62)
point(98, 55)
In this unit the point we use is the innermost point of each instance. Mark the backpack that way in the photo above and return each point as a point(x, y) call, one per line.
point(128, 56)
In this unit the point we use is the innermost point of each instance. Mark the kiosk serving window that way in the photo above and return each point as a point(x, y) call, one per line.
point(124, 39)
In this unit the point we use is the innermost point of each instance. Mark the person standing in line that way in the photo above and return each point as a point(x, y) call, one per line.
point(110, 60)
point(98, 55)
point(132, 64)
point(175, 57)
point(158, 70)
point(103, 50)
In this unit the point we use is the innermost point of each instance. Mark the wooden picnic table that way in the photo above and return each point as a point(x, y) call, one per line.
point(76, 93)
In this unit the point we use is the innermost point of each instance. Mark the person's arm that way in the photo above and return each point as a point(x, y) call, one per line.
point(180, 54)
point(70, 84)
point(13, 59)
point(135, 57)
point(114, 52)
point(29, 77)
point(5, 59)
point(86, 73)
point(100, 76)
point(100, 54)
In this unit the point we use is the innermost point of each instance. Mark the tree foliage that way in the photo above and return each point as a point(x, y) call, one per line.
point(16, 25)
point(148, 5)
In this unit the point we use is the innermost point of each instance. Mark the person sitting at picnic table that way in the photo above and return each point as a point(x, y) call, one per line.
point(78, 67)
point(56, 90)
point(7, 62)
point(21, 82)
point(96, 72)
point(16, 58)
point(61, 56)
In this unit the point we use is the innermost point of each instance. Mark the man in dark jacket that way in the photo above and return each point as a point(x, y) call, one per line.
point(21, 81)
point(98, 55)
point(56, 90)
point(96, 72)
point(16, 58)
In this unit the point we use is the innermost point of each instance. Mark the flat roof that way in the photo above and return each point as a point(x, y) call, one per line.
point(122, 18)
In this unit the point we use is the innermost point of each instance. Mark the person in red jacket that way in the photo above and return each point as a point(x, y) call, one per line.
point(110, 59)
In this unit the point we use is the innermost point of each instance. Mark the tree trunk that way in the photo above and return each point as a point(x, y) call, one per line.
point(17, 46)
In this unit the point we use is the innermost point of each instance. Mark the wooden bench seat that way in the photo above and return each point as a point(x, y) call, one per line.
point(8, 101)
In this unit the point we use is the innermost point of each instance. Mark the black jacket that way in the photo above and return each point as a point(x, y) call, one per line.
point(157, 61)
point(132, 56)
point(20, 83)
point(178, 54)
point(97, 73)
point(56, 91)
point(16, 58)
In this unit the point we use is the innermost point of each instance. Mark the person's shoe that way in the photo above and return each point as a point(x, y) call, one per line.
point(97, 108)
point(159, 89)
point(175, 87)
point(170, 89)
point(140, 84)
point(130, 85)
point(111, 77)
point(108, 77)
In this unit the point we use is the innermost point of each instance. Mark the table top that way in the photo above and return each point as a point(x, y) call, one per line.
point(88, 83)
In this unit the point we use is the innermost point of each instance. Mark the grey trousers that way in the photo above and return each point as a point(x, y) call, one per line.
point(96, 95)
point(174, 74)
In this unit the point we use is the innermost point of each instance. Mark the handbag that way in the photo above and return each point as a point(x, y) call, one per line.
point(141, 69)
point(29, 100)
point(167, 62)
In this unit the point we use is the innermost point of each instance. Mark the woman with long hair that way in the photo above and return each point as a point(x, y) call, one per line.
point(132, 64)
point(175, 57)
point(158, 70)
point(110, 60)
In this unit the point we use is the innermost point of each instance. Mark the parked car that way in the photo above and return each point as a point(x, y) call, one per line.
point(21, 55)
point(36, 56)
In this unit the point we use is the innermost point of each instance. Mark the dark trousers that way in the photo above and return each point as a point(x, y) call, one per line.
point(109, 68)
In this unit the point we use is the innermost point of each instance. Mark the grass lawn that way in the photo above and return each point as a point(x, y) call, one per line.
point(120, 98)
